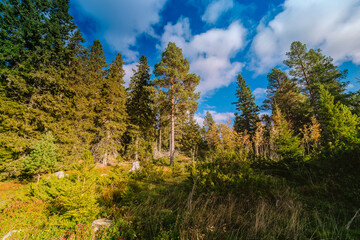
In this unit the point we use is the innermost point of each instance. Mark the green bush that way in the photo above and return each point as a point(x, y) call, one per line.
point(42, 158)
point(227, 173)
point(74, 196)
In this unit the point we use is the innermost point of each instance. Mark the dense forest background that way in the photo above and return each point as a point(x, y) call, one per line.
point(62, 107)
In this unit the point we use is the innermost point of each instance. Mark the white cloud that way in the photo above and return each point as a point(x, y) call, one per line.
point(215, 9)
point(128, 68)
point(218, 117)
point(259, 93)
point(123, 21)
point(262, 113)
point(209, 53)
point(331, 25)
point(350, 86)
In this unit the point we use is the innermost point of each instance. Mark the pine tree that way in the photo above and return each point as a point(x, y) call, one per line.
point(311, 69)
point(284, 93)
point(248, 117)
point(42, 158)
point(339, 125)
point(208, 121)
point(176, 86)
point(34, 34)
point(110, 113)
point(287, 145)
point(140, 106)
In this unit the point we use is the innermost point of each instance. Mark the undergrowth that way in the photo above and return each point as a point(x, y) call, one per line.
point(221, 197)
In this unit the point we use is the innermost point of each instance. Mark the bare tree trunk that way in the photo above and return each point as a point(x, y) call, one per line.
point(38, 178)
point(172, 134)
point(104, 162)
point(160, 138)
point(137, 148)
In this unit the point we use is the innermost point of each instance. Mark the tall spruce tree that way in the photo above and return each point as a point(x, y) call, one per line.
point(34, 34)
point(140, 106)
point(339, 125)
point(177, 87)
point(36, 96)
point(284, 93)
point(110, 113)
point(248, 117)
point(287, 144)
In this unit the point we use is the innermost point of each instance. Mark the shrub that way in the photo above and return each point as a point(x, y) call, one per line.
point(42, 158)
point(74, 197)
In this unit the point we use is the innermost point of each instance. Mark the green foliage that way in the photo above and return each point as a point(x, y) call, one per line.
point(34, 33)
point(225, 172)
point(248, 117)
point(311, 69)
point(43, 157)
point(285, 95)
point(339, 125)
point(287, 145)
point(110, 114)
point(176, 87)
point(74, 196)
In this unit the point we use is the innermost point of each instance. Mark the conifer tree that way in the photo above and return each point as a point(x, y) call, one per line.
point(177, 87)
point(89, 93)
point(34, 33)
point(42, 158)
point(139, 105)
point(111, 116)
point(287, 145)
point(208, 121)
point(284, 93)
point(311, 69)
point(339, 125)
point(248, 117)
point(111, 113)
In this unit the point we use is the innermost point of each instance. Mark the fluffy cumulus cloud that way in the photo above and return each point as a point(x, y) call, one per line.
point(331, 25)
point(259, 93)
point(215, 9)
point(128, 68)
point(210, 53)
point(219, 117)
point(121, 22)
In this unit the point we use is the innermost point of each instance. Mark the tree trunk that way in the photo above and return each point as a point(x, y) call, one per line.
point(105, 159)
point(172, 134)
point(136, 148)
point(38, 178)
point(159, 148)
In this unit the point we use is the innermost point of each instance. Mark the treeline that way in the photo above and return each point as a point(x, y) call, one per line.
point(54, 88)
point(51, 83)
point(314, 120)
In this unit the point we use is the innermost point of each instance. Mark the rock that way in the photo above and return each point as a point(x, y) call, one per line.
point(100, 224)
point(10, 233)
point(135, 166)
point(60, 174)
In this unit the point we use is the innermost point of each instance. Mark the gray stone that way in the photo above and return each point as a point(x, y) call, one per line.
point(135, 166)
point(60, 174)
point(101, 224)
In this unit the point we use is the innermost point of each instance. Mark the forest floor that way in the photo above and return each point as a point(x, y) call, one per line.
point(163, 202)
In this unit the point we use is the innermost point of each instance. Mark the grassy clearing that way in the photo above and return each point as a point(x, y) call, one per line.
point(162, 202)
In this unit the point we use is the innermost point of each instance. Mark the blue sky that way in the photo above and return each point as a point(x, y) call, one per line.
point(223, 38)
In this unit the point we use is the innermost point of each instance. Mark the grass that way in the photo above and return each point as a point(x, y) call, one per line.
point(162, 202)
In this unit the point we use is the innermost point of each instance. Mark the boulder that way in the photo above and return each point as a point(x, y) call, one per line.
point(101, 224)
point(59, 174)
point(135, 166)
